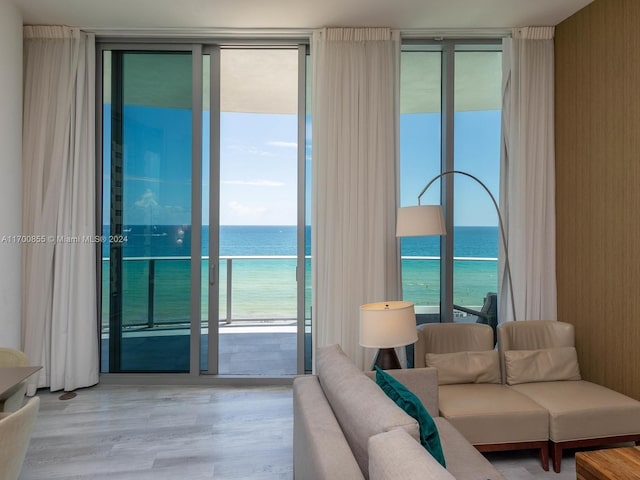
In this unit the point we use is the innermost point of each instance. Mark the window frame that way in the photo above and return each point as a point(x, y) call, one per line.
point(198, 47)
point(448, 48)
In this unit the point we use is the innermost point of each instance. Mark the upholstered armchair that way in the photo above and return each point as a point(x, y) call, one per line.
point(15, 434)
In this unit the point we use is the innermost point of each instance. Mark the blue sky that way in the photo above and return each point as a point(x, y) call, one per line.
point(257, 172)
point(259, 162)
point(258, 169)
point(476, 151)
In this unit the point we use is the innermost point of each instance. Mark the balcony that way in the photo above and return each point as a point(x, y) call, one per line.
point(257, 327)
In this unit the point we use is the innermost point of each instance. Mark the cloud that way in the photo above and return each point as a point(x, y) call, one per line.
point(250, 150)
point(146, 210)
point(254, 183)
point(165, 181)
point(133, 178)
point(245, 210)
point(147, 199)
point(283, 144)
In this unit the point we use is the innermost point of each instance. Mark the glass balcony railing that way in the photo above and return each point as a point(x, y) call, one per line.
point(473, 278)
point(263, 288)
point(156, 291)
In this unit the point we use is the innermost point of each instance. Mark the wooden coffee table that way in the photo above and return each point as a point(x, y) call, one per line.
point(610, 463)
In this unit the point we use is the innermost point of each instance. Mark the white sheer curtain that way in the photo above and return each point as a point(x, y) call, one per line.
point(59, 322)
point(527, 194)
point(355, 73)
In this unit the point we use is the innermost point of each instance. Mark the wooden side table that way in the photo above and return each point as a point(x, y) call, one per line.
point(610, 463)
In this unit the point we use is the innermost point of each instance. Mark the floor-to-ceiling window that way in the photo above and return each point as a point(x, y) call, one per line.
point(203, 180)
point(450, 120)
point(253, 210)
point(147, 206)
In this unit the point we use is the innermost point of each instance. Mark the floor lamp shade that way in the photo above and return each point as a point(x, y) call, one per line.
point(422, 220)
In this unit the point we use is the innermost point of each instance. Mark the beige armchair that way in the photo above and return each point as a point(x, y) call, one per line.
point(12, 400)
point(540, 362)
point(490, 415)
point(15, 433)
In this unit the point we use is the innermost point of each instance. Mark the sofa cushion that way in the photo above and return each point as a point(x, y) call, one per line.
point(353, 397)
point(395, 455)
point(411, 404)
point(534, 334)
point(580, 410)
point(465, 367)
point(542, 365)
point(491, 414)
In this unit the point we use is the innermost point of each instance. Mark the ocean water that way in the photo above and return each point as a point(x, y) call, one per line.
point(473, 275)
point(266, 287)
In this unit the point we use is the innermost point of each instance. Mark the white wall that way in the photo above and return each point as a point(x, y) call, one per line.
point(11, 172)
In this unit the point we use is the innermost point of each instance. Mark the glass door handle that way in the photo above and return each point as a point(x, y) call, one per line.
point(212, 275)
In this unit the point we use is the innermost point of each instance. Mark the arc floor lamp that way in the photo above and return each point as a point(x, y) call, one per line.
point(426, 220)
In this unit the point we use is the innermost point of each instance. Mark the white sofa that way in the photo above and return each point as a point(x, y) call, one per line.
point(345, 427)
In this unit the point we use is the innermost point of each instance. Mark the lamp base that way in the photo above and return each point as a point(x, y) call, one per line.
point(386, 359)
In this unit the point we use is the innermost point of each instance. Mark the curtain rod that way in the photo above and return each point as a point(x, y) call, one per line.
point(284, 33)
point(448, 33)
point(169, 33)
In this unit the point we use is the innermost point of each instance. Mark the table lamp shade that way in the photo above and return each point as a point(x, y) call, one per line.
point(387, 324)
point(421, 220)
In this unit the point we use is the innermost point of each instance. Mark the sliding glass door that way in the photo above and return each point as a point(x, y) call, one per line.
point(146, 210)
point(257, 211)
point(205, 271)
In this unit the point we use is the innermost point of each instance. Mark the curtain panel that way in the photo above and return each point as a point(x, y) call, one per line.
point(59, 311)
point(527, 190)
point(355, 148)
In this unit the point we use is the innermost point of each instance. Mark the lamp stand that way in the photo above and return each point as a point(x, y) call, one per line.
point(386, 359)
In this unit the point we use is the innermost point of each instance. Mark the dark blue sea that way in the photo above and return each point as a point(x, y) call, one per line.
point(266, 288)
point(175, 240)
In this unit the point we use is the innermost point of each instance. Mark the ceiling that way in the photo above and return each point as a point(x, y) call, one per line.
point(248, 87)
point(188, 15)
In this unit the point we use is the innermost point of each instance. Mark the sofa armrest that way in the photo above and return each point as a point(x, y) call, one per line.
point(395, 454)
point(421, 381)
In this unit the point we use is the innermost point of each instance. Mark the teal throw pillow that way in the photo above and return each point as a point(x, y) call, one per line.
point(411, 404)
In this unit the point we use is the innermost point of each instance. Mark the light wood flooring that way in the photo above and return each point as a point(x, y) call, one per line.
point(183, 433)
point(163, 433)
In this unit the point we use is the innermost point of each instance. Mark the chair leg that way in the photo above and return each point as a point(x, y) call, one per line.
point(556, 456)
point(544, 457)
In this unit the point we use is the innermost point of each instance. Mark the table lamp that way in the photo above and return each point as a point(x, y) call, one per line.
point(386, 325)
